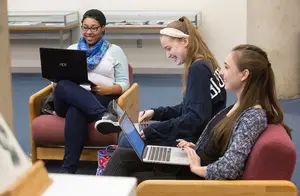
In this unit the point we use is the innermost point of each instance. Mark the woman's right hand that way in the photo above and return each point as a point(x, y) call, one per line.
point(183, 144)
point(145, 116)
point(142, 134)
point(53, 85)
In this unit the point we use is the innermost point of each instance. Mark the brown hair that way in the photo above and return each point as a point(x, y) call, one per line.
point(197, 48)
point(259, 89)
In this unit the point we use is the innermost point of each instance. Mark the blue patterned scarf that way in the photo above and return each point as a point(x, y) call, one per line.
point(95, 54)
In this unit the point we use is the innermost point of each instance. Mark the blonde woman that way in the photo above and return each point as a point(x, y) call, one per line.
point(203, 89)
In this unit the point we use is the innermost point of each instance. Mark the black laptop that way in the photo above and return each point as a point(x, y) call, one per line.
point(64, 64)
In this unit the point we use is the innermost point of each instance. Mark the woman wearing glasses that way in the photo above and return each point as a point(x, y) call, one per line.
point(108, 69)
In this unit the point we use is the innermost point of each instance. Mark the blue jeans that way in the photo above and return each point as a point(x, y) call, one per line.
point(123, 141)
point(79, 107)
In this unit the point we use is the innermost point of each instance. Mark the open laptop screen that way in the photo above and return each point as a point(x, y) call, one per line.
point(132, 134)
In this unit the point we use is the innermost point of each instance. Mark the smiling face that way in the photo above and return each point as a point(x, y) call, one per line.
point(176, 49)
point(91, 31)
point(234, 78)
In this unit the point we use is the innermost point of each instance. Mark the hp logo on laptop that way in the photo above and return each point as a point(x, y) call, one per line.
point(63, 64)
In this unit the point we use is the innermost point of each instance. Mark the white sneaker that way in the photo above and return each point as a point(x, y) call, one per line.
point(108, 124)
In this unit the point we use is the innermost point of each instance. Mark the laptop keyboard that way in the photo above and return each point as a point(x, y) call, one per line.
point(158, 153)
point(143, 126)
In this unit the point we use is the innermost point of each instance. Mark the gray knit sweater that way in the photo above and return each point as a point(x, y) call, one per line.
point(249, 125)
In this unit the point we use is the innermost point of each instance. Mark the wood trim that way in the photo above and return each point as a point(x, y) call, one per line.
point(217, 187)
point(34, 105)
point(42, 28)
point(129, 102)
point(158, 70)
point(128, 28)
point(57, 153)
point(50, 28)
point(34, 182)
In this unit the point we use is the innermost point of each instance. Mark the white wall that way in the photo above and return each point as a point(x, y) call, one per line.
point(223, 26)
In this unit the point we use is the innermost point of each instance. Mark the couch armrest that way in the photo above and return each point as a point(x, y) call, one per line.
point(129, 102)
point(216, 187)
point(35, 101)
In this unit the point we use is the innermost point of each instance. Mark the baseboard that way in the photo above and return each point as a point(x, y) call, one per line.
point(155, 70)
point(26, 70)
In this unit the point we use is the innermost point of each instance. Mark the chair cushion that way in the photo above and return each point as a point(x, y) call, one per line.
point(273, 156)
point(49, 130)
point(130, 73)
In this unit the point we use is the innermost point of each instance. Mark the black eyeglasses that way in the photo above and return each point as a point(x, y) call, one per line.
point(93, 29)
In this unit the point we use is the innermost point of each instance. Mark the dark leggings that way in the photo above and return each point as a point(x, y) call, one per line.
point(125, 162)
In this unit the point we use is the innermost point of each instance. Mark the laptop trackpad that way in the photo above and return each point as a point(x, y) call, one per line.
point(179, 155)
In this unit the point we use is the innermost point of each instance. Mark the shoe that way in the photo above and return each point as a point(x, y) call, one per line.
point(108, 124)
point(110, 108)
point(64, 171)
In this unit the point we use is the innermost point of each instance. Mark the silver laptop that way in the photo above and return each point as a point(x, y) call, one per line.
point(120, 111)
point(151, 153)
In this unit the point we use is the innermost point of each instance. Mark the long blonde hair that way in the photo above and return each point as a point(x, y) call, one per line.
point(197, 48)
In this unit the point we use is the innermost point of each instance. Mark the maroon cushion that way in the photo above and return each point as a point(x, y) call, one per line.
point(130, 73)
point(49, 130)
point(273, 156)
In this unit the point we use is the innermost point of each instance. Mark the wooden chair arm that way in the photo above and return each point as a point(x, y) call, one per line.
point(35, 101)
point(216, 187)
point(129, 102)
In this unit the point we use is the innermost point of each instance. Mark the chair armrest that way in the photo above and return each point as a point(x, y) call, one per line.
point(35, 101)
point(216, 187)
point(129, 102)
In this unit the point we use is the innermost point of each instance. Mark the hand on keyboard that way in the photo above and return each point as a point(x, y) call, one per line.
point(145, 116)
point(142, 134)
point(142, 126)
point(182, 144)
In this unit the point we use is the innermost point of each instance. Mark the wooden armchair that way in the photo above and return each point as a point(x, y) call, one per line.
point(268, 172)
point(47, 131)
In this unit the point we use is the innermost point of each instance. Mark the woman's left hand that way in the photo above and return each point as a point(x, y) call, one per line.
point(100, 89)
point(194, 159)
point(142, 134)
